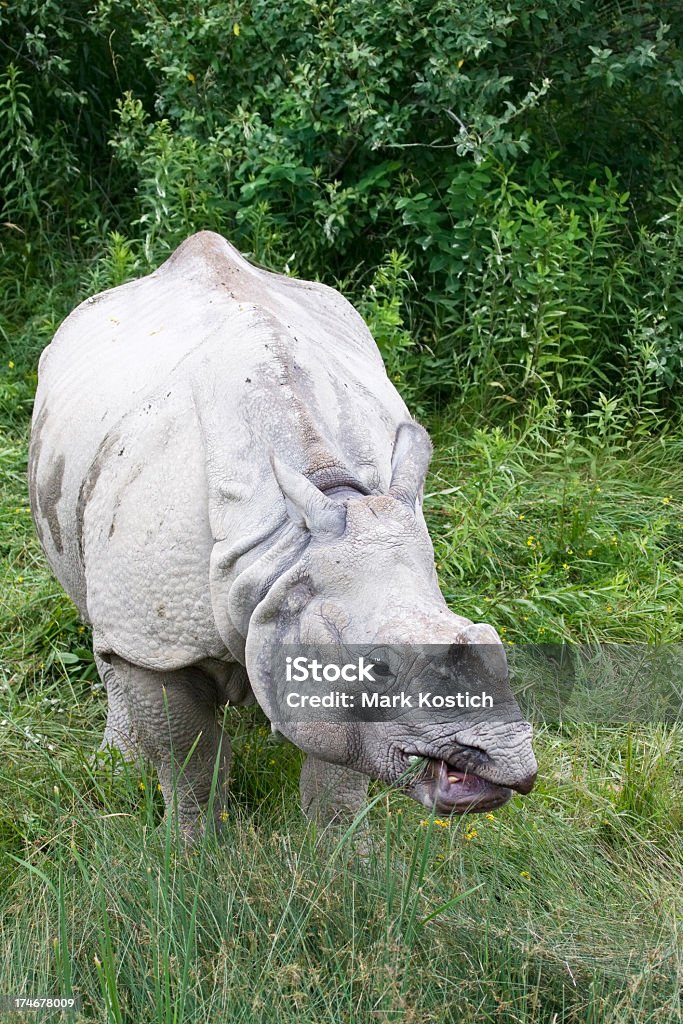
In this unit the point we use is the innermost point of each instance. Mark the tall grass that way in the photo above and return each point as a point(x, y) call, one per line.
point(564, 906)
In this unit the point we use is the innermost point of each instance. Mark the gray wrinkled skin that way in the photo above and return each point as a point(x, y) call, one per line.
point(219, 463)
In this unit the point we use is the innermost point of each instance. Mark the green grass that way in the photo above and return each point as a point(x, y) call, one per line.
point(556, 537)
point(564, 906)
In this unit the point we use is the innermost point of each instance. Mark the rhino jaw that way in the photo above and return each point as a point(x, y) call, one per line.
point(449, 790)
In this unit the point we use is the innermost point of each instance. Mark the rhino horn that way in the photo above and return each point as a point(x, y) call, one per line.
point(409, 463)
point(306, 505)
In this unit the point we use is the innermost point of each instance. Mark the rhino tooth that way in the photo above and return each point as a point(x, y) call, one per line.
point(414, 758)
point(454, 778)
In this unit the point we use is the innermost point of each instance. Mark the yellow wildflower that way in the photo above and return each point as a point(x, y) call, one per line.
point(224, 816)
point(235, 29)
point(524, 874)
point(11, 364)
point(470, 835)
point(667, 500)
point(141, 787)
point(490, 817)
point(191, 77)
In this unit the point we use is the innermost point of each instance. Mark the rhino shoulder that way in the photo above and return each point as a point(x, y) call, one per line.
point(208, 260)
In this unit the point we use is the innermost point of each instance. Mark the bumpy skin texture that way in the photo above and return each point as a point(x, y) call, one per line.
point(219, 463)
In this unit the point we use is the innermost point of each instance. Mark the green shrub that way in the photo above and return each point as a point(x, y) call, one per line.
point(525, 163)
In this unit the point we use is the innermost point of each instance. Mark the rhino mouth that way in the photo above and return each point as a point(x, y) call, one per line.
point(449, 790)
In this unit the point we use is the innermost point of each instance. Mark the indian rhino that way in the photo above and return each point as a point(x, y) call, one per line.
point(219, 464)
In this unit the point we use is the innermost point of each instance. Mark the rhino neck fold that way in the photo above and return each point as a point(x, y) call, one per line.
point(243, 574)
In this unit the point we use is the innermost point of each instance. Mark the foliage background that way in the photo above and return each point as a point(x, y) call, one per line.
point(497, 187)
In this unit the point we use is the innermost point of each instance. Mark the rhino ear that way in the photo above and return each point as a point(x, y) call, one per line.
point(306, 505)
point(409, 463)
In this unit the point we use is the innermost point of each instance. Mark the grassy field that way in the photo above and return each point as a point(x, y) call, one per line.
point(564, 906)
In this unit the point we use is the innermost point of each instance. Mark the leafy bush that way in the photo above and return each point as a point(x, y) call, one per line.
point(523, 162)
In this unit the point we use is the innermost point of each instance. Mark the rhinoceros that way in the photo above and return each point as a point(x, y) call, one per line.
point(219, 464)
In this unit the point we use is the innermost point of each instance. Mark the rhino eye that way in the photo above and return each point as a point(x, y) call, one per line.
point(380, 668)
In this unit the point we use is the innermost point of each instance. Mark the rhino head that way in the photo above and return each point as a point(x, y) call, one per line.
point(365, 575)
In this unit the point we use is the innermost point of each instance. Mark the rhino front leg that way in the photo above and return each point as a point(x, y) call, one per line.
point(331, 794)
point(173, 715)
